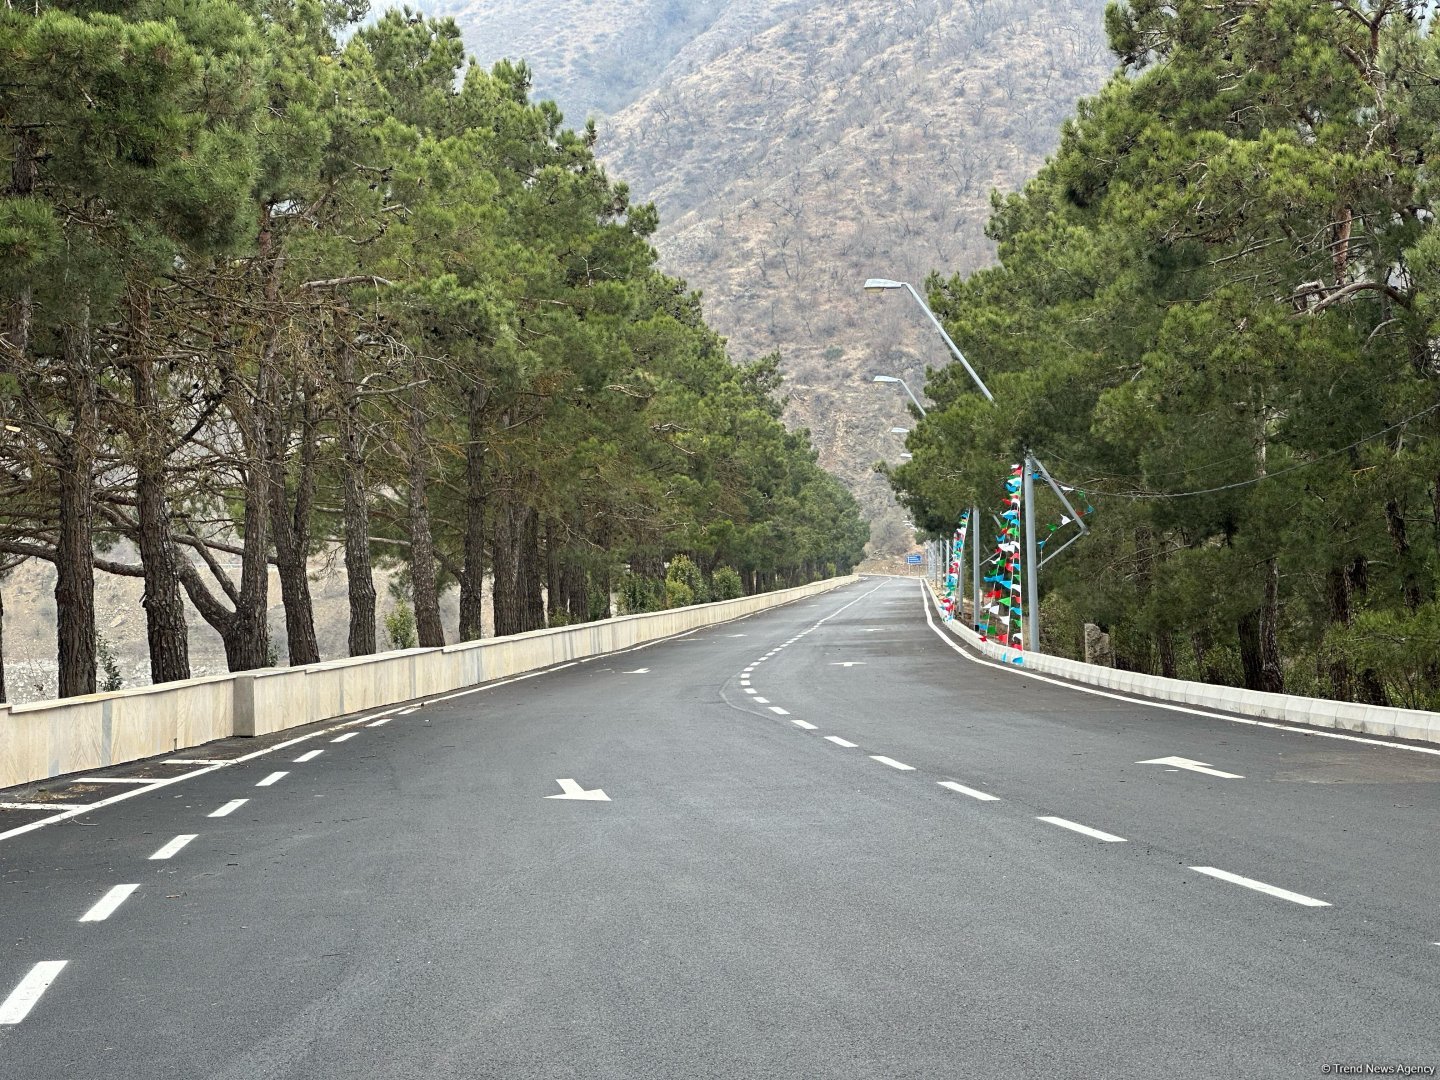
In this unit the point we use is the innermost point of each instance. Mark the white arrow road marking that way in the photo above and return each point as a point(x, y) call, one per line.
point(637, 671)
point(1193, 766)
point(23, 998)
point(571, 790)
point(1260, 886)
point(848, 663)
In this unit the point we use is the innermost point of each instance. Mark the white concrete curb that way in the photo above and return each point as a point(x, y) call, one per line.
point(52, 738)
point(1315, 712)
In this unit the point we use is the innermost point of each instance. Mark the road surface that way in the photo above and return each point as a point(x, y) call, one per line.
point(817, 842)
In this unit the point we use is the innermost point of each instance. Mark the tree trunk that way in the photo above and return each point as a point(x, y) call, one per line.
point(165, 628)
point(506, 559)
point(554, 596)
point(75, 545)
point(1337, 670)
point(1165, 649)
point(428, 629)
point(532, 574)
point(575, 589)
point(472, 576)
point(3, 698)
point(359, 573)
point(1272, 671)
point(247, 633)
point(1248, 630)
point(1370, 690)
point(290, 528)
point(1410, 588)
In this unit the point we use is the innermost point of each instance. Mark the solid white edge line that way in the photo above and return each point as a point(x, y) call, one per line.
point(963, 790)
point(273, 778)
point(1075, 826)
point(23, 998)
point(108, 903)
point(1322, 733)
point(346, 736)
point(803, 724)
point(1260, 886)
point(892, 763)
point(777, 710)
point(174, 846)
point(113, 780)
point(841, 742)
point(228, 809)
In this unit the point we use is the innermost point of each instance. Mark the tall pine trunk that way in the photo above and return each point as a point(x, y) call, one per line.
point(290, 528)
point(472, 575)
point(165, 628)
point(359, 573)
point(75, 543)
point(429, 631)
point(532, 565)
point(3, 698)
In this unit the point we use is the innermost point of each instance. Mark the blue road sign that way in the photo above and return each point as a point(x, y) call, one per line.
point(913, 560)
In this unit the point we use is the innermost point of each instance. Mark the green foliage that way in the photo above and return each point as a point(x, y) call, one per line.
point(725, 584)
point(638, 594)
point(107, 667)
point(1215, 310)
point(400, 627)
point(684, 584)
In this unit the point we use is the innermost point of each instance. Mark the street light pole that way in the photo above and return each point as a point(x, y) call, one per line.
point(875, 284)
point(903, 383)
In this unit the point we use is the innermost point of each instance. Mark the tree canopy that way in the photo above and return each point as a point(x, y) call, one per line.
point(1214, 311)
point(269, 289)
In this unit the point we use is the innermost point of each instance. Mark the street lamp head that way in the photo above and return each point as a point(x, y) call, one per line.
point(886, 378)
point(906, 456)
point(899, 431)
point(876, 283)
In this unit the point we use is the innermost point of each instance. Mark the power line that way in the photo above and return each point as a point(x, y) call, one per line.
point(1268, 476)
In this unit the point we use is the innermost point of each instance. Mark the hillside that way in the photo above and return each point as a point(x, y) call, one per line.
point(795, 149)
point(848, 141)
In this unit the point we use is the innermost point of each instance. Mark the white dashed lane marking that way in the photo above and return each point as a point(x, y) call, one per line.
point(803, 724)
point(1109, 838)
point(174, 846)
point(309, 755)
point(347, 735)
point(228, 809)
point(382, 721)
point(892, 763)
point(777, 710)
point(840, 742)
point(108, 903)
point(23, 998)
point(1260, 886)
point(273, 778)
point(963, 790)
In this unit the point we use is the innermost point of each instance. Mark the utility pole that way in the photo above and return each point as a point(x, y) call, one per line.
point(1031, 640)
point(975, 569)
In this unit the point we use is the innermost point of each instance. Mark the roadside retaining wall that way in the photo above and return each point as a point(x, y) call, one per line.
point(51, 738)
point(1315, 712)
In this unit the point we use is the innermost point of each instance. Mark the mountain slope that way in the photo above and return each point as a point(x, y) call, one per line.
point(844, 141)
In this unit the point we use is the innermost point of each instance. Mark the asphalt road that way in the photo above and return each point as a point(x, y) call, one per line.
point(832, 847)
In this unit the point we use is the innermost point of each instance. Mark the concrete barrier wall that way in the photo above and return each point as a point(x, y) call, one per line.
point(52, 738)
point(1290, 708)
